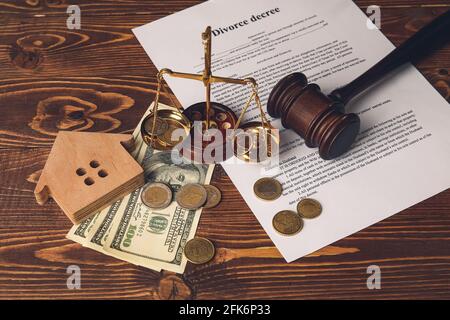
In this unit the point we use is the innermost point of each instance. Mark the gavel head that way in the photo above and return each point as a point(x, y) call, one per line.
point(317, 118)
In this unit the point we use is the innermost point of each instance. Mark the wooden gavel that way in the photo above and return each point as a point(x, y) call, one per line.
point(321, 119)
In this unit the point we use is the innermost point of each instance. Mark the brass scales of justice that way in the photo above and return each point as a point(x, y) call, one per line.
point(253, 142)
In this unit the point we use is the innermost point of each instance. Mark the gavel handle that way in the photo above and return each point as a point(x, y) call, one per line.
point(430, 37)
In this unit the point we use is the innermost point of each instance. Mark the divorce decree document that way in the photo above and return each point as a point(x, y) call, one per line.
point(402, 154)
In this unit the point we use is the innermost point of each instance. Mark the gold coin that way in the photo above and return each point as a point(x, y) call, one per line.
point(287, 223)
point(214, 196)
point(309, 208)
point(156, 195)
point(267, 189)
point(191, 196)
point(199, 250)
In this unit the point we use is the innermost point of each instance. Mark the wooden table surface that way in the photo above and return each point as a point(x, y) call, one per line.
point(52, 78)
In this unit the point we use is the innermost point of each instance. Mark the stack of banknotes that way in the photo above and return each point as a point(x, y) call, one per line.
point(130, 231)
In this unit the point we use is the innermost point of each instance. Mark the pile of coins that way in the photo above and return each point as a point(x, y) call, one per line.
point(193, 196)
point(158, 195)
point(286, 222)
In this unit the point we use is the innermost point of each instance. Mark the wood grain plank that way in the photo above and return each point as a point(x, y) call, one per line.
point(92, 104)
point(118, 7)
point(246, 258)
point(43, 47)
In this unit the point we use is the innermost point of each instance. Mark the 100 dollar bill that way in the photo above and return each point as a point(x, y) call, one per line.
point(130, 231)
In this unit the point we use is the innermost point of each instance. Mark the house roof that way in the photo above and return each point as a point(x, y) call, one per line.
point(86, 171)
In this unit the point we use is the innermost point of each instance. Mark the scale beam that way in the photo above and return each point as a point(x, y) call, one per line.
point(213, 114)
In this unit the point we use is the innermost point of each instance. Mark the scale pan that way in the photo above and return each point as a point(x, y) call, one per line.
point(222, 119)
point(255, 142)
point(167, 122)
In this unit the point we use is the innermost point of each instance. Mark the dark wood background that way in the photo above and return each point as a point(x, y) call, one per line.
point(52, 78)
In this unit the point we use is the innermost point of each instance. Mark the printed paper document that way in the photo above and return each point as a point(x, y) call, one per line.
point(402, 154)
